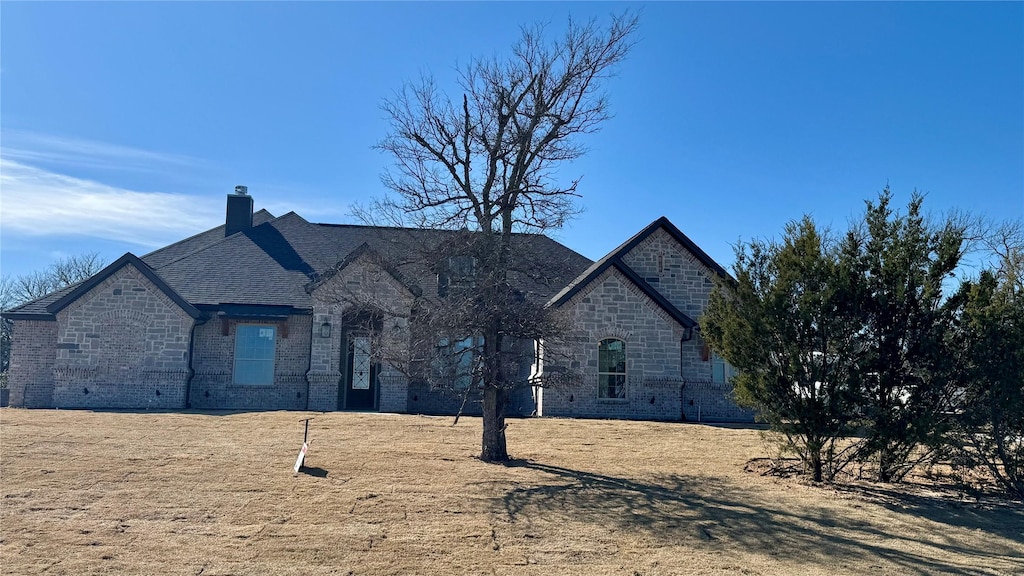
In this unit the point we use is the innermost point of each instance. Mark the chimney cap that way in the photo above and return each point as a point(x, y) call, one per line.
point(241, 190)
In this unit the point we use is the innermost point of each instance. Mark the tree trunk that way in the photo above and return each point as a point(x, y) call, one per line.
point(494, 448)
point(816, 465)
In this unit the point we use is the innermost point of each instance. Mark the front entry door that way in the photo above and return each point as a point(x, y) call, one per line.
point(361, 376)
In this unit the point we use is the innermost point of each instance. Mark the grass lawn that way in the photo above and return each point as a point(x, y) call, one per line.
point(210, 494)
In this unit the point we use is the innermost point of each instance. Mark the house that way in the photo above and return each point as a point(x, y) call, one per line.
point(247, 316)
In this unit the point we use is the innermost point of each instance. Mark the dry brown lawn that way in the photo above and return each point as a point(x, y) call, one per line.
point(157, 493)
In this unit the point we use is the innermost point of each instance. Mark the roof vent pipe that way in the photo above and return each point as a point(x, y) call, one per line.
point(239, 211)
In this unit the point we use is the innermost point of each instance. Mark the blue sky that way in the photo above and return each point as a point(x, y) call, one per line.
point(124, 125)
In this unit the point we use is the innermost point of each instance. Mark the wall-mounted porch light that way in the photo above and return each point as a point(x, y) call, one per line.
point(325, 329)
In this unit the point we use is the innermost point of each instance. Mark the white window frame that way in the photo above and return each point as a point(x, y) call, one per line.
point(247, 357)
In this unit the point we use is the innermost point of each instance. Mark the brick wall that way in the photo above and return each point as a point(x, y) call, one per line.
point(213, 384)
point(667, 378)
point(673, 271)
point(443, 401)
point(362, 285)
point(706, 401)
point(33, 353)
point(612, 307)
point(687, 282)
point(124, 344)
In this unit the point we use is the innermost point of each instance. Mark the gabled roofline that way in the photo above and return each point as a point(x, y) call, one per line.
point(220, 241)
point(364, 249)
point(662, 302)
point(128, 258)
point(616, 255)
point(38, 316)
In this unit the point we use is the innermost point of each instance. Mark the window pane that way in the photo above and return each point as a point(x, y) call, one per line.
point(611, 386)
point(254, 354)
point(611, 368)
point(611, 356)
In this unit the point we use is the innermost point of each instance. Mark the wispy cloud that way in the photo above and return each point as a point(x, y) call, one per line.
point(37, 149)
point(37, 202)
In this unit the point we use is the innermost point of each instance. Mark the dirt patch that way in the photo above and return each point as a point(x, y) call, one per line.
point(214, 494)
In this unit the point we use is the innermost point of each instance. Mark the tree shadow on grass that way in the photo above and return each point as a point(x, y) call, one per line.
point(710, 512)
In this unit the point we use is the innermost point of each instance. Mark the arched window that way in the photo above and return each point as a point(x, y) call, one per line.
point(611, 368)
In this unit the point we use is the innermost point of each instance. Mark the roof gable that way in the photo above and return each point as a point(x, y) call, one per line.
point(364, 250)
point(615, 259)
point(138, 264)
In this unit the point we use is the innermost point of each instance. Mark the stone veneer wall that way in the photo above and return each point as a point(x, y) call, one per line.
point(124, 344)
point(613, 307)
point(682, 279)
point(362, 284)
point(687, 282)
point(33, 353)
point(213, 387)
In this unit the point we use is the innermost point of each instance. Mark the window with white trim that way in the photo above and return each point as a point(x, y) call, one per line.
point(611, 369)
point(721, 371)
point(255, 346)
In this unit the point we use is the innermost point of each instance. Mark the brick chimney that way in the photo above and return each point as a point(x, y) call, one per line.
point(239, 212)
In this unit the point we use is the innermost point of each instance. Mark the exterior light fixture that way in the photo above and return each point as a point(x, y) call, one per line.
point(325, 329)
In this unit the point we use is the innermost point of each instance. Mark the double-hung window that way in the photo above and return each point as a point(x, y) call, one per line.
point(611, 369)
point(255, 345)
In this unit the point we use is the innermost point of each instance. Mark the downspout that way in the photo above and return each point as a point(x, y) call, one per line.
point(191, 357)
point(687, 336)
point(309, 356)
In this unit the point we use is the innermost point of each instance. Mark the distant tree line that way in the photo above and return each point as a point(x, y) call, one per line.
point(864, 353)
point(17, 290)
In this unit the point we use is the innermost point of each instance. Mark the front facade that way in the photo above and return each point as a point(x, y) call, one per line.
point(272, 313)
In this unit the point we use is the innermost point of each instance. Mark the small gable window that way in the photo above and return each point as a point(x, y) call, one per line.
point(255, 345)
point(721, 371)
point(611, 369)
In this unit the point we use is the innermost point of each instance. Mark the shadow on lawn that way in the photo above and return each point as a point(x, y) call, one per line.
point(313, 471)
point(683, 510)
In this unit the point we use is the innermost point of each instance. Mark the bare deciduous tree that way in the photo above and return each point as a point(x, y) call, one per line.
point(21, 289)
point(486, 163)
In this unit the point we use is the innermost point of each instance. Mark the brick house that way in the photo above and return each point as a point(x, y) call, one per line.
point(247, 316)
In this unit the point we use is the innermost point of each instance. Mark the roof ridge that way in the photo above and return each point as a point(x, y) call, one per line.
point(414, 229)
point(218, 242)
point(609, 259)
point(198, 234)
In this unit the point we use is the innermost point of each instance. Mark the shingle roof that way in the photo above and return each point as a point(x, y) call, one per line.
point(548, 267)
point(126, 260)
point(257, 266)
point(36, 309)
point(162, 256)
point(275, 262)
